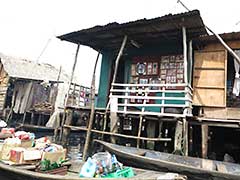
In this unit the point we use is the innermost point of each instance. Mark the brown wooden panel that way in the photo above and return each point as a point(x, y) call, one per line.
point(213, 112)
point(209, 78)
point(209, 97)
point(213, 59)
point(214, 78)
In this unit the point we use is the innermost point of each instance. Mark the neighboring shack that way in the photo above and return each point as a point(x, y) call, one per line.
point(28, 88)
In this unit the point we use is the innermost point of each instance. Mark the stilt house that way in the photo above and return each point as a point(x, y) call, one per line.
point(165, 80)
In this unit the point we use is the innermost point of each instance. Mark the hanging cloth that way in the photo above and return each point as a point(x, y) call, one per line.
point(236, 85)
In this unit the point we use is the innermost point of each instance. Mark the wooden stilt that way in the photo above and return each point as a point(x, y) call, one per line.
point(190, 139)
point(69, 86)
point(90, 123)
point(160, 128)
point(66, 131)
point(178, 138)
point(32, 118)
point(140, 123)
point(114, 77)
point(204, 130)
point(113, 125)
point(39, 120)
point(151, 130)
point(185, 137)
point(139, 130)
point(190, 56)
point(24, 117)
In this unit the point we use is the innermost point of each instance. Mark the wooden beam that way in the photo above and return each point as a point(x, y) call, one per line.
point(118, 134)
point(114, 76)
point(190, 56)
point(204, 132)
point(218, 37)
point(90, 123)
point(225, 45)
point(185, 53)
point(69, 86)
point(178, 137)
point(185, 137)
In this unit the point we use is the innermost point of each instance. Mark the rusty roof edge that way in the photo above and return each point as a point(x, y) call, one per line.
point(212, 38)
point(114, 25)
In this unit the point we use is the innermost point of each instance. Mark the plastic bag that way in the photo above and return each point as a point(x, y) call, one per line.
point(88, 169)
point(105, 159)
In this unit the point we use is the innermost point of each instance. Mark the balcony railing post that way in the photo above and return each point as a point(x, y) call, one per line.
point(141, 120)
point(163, 101)
point(126, 100)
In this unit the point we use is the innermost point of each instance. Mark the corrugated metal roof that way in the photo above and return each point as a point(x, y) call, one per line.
point(25, 69)
point(144, 31)
point(212, 38)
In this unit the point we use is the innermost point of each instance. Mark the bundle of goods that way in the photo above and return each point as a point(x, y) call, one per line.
point(43, 107)
point(105, 165)
point(23, 148)
point(6, 133)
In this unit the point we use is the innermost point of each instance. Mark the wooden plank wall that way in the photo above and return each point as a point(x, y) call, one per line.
point(211, 110)
point(209, 78)
point(3, 86)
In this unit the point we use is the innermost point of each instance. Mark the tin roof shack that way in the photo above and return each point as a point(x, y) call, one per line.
point(149, 82)
point(216, 96)
point(26, 85)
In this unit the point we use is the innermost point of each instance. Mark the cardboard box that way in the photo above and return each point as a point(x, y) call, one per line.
point(31, 154)
point(26, 143)
point(16, 155)
point(6, 148)
point(55, 156)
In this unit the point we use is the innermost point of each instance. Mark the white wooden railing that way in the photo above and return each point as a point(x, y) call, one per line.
point(139, 98)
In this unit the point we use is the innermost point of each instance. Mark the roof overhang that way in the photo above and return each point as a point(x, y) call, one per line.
point(142, 32)
point(233, 36)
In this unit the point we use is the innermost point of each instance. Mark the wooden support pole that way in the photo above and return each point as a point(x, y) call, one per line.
point(58, 78)
point(225, 45)
point(190, 139)
point(66, 131)
point(204, 132)
point(178, 137)
point(140, 122)
point(139, 131)
point(185, 54)
point(114, 77)
point(190, 56)
point(90, 123)
point(69, 86)
point(185, 137)
point(217, 36)
point(151, 132)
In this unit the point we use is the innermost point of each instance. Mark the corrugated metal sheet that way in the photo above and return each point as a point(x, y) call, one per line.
point(212, 38)
point(25, 69)
point(144, 31)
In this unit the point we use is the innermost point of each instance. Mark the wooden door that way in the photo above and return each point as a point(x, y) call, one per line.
point(209, 78)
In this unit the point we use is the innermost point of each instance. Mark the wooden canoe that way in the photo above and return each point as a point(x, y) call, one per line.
point(193, 168)
point(8, 172)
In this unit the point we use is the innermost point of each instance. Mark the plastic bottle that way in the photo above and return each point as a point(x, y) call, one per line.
point(88, 169)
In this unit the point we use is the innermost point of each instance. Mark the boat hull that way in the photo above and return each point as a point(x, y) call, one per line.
point(137, 159)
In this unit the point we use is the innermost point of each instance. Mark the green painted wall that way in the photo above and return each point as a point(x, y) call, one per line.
point(106, 68)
